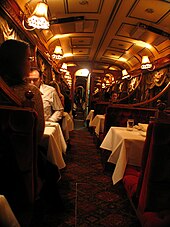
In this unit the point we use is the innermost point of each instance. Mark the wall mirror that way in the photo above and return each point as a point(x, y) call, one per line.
point(144, 87)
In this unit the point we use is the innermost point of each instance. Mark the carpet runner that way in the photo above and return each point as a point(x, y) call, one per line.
point(85, 196)
point(94, 200)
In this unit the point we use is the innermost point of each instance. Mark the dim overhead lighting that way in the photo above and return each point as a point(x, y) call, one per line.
point(63, 67)
point(125, 74)
point(146, 64)
point(57, 54)
point(39, 18)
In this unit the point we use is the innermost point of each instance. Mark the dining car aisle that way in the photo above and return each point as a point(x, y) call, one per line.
point(87, 192)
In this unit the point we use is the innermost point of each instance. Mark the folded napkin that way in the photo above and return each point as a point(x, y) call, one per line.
point(142, 133)
point(143, 127)
point(50, 123)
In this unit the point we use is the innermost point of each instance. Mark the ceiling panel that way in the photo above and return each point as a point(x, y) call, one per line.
point(83, 6)
point(56, 8)
point(81, 41)
point(149, 10)
point(113, 54)
point(80, 51)
point(120, 44)
point(110, 30)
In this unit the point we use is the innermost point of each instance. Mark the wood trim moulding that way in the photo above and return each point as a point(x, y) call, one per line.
point(12, 10)
point(154, 98)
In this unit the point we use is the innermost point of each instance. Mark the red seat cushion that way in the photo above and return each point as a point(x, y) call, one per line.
point(156, 219)
point(130, 181)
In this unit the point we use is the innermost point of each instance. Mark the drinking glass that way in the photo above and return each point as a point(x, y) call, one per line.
point(130, 124)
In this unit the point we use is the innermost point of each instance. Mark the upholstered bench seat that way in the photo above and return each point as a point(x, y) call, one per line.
point(130, 181)
point(149, 188)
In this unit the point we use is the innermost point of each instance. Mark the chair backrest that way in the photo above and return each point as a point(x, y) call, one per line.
point(145, 153)
point(7, 96)
point(100, 108)
point(117, 115)
point(155, 190)
point(18, 154)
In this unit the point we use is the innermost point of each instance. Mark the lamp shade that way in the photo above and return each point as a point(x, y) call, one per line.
point(124, 72)
point(58, 50)
point(146, 63)
point(39, 18)
point(145, 59)
point(57, 54)
point(63, 67)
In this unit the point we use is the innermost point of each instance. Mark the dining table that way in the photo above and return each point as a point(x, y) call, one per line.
point(98, 123)
point(53, 141)
point(126, 147)
point(67, 125)
point(7, 217)
point(90, 117)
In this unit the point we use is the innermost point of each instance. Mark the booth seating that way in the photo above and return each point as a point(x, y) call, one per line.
point(149, 188)
point(20, 183)
point(18, 155)
point(100, 108)
point(118, 114)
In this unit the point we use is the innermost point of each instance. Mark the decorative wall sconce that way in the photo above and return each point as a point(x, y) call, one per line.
point(125, 74)
point(57, 54)
point(39, 18)
point(63, 68)
point(146, 64)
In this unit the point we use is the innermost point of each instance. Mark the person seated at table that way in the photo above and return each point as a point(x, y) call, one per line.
point(114, 97)
point(14, 68)
point(67, 102)
point(66, 117)
point(64, 96)
point(53, 108)
point(54, 84)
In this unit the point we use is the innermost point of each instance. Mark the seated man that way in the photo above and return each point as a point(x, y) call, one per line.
point(53, 109)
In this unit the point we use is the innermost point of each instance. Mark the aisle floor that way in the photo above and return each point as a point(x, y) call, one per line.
point(85, 196)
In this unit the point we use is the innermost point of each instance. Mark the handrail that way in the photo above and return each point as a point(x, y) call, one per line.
point(154, 98)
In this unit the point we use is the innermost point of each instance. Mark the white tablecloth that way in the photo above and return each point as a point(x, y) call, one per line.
point(53, 140)
point(67, 125)
point(126, 147)
point(90, 116)
point(98, 123)
point(7, 217)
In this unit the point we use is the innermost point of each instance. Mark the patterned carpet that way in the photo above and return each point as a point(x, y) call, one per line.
point(87, 197)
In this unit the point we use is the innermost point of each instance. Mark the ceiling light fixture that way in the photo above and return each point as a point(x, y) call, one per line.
point(57, 54)
point(146, 64)
point(63, 67)
point(125, 74)
point(39, 18)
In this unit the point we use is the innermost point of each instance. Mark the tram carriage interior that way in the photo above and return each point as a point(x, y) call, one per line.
point(111, 61)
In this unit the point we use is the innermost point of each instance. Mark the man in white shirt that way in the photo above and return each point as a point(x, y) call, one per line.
point(53, 109)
